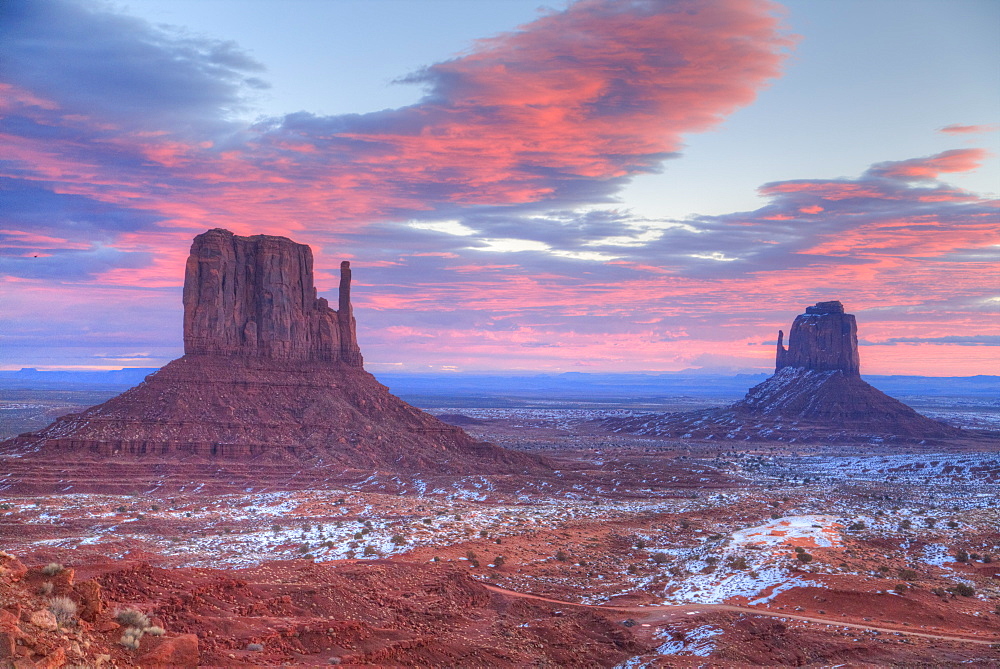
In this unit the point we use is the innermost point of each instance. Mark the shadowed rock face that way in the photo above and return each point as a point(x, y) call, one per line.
point(822, 339)
point(254, 297)
point(269, 370)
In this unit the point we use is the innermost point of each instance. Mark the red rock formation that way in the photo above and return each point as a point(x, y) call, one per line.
point(822, 339)
point(254, 297)
point(269, 370)
point(816, 393)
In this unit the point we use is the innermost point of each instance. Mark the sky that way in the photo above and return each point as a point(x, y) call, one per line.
point(590, 186)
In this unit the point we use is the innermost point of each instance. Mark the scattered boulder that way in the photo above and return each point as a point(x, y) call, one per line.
point(178, 651)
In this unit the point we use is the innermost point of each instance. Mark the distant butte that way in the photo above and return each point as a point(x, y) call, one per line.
point(816, 393)
point(269, 371)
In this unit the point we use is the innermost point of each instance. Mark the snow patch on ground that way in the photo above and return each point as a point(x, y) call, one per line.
point(813, 531)
point(698, 641)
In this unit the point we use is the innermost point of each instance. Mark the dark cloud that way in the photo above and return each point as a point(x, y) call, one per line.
point(116, 68)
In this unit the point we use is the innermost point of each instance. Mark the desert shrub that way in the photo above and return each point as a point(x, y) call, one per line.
point(498, 561)
point(974, 556)
point(804, 558)
point(660, 558)
point(676, 571)
point(474, 563)
point(45, 588)
point(359, 535)
point(64, 609)
point(775, 515)
point(398, 539)
point(963, 590)
point(908, 574)
point(156, 631)
point(435, 559)
point(484, 533)
point(906, 524)
point(952, 524)
point(962, 556)
point(52, 568)
point(856, 526)
point(738, 563)
point(131, 637)
point(132, 618)
point(640, 543)
point(562, 555)
point(900, 588)
point(471, 554)
point(800, 549)
point(711, 559)
point(987, 558)
point(930, 522)
point(498, 540)
point(369, 551)
point(303, 548)
point(940, 592)
point(255, 646)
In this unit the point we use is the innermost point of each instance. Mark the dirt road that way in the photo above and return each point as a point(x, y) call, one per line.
point(663, 613)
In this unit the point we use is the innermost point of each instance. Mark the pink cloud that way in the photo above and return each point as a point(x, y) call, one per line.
point(919, 169)
point(956, 129)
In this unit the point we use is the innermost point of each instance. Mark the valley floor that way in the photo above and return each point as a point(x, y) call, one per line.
point(684, 553)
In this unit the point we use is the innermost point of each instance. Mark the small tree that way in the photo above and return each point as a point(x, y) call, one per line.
point(804, 558)
point(963, 590)
point(498, 561)
point(962, 556)
point(900, 588)
point(562, 555)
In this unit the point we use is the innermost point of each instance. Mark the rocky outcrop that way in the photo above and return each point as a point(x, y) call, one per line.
point(269, 371)
point(253, 297)
point(822, 339)
point(815, 394)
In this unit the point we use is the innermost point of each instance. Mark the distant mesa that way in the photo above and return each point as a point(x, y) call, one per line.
point(269, 370)
point(816, 393)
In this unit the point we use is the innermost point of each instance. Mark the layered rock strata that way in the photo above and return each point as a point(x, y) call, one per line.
point(269, 370)
point(816, 393)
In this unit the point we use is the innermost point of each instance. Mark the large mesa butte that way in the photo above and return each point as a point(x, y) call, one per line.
point(270, 371)
point(816, 393)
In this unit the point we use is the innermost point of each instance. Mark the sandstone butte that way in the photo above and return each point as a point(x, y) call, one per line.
point(269, 371)
point(816, 392)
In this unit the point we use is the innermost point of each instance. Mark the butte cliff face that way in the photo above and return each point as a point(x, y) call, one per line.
point(816, 392)
point(269, 371)
point(822, 339)
point(254, 297)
